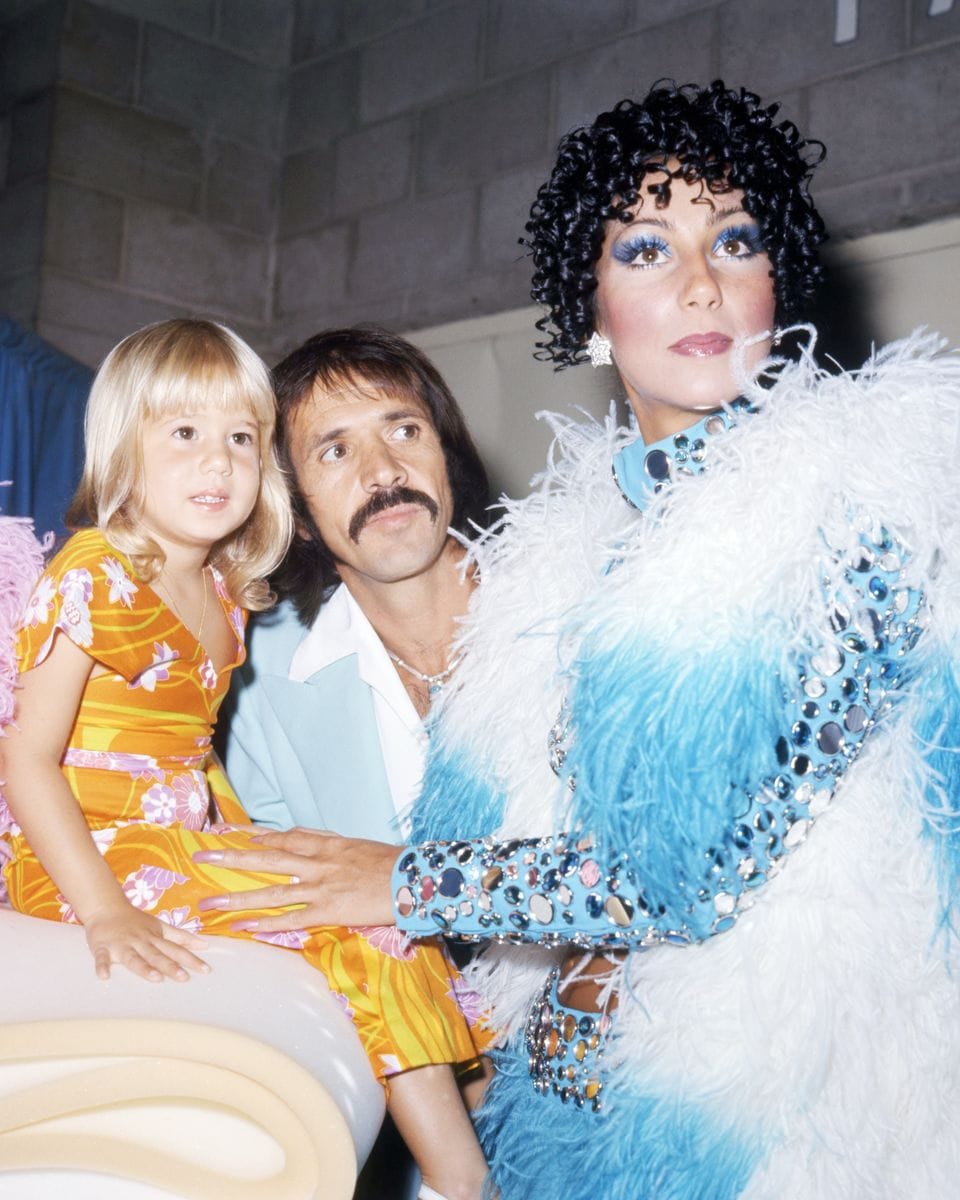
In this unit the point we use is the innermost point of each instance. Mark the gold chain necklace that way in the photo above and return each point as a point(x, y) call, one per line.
point(176, 611)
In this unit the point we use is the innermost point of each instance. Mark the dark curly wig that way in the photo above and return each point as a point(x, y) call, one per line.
point(721, 137)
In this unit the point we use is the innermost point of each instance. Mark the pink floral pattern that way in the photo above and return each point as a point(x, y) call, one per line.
point(38, 607)
point(103, 839)
point(388, 939)
point(191, 799)
point(208, 674)
point(343, 1002)
point(184, 799)
point(180, 918)
point(290, 939)
point(137, 766)
point(122, 587)
point(144, 888)
point(235, 613)
point(76, 588)
point(159, 805)
point(157, 672)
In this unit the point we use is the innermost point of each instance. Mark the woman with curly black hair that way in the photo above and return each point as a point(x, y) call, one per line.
point(720, 140)
point(707, 714)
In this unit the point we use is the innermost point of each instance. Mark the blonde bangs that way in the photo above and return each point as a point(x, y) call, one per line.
point(200, 365)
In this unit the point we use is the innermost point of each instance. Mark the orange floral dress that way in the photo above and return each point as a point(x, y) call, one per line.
point(140, 764)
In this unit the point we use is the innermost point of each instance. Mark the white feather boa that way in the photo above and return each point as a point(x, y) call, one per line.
point(828, 1018)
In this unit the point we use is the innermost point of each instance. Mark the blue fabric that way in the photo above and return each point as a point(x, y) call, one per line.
point(304, 753)
point(684, 452)
point(939, 736)
point(638, 1148)
point(44, 396)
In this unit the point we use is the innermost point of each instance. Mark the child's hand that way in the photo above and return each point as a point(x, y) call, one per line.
point(143, 944)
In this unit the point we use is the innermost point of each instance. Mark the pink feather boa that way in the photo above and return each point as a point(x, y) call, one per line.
point(21, 561)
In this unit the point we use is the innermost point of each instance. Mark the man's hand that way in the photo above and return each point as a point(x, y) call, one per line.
point(143, 944)
point(336, 880)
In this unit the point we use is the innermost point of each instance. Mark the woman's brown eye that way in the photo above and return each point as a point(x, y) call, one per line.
point(649, 254)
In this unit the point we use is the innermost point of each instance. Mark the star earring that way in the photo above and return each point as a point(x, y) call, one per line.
point(598, 348)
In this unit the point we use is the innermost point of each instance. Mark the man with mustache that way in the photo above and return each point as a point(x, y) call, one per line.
point(326, 729)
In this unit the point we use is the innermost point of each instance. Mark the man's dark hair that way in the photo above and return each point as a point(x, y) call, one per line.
point(721, 138)
point(370, 359)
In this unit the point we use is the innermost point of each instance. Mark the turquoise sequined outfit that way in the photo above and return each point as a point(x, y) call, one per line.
point(775, 629)
point(572, 889)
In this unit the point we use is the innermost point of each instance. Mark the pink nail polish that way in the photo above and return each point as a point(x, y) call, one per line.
point(208, 856)
point(245, 926)
point(215, 902)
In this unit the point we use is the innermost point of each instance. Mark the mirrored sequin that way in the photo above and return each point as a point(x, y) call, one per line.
point(830, 738)
point(619, 910)
point(796, 833)
point(541, 908)
point(491, 879)
point(724, 903)
point(657, 466)
point(827, 662)
point(405, 902)
point(450, 882)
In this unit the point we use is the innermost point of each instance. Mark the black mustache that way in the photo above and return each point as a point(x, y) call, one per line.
point(390, 498)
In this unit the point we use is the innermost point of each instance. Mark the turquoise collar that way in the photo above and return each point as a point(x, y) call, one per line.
point(641, 471)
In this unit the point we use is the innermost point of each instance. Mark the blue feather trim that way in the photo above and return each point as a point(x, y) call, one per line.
point(717, 715)
point(639, 1148)
point(939, 733)
point(455, 802)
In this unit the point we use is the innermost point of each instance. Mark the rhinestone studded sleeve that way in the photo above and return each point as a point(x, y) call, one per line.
point(567, 888)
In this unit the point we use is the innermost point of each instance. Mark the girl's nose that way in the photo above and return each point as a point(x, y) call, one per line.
point(217, 460)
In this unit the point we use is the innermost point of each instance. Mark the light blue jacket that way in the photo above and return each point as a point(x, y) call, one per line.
point(307, 752)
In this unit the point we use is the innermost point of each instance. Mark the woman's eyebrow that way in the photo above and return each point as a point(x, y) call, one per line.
point(721, 214)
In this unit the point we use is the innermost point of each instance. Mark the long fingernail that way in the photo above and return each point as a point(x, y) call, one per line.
point(245, 926)
point(208, 856)
point(209, 902)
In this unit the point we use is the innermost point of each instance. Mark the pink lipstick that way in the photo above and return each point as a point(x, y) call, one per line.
point(702, 345)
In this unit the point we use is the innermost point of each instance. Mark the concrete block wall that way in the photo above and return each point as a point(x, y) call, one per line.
point(29, 40)
point(289, 164)
point(419, 130)
point(165, 124)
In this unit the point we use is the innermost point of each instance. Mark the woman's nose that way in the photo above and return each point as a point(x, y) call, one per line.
point(700, 286)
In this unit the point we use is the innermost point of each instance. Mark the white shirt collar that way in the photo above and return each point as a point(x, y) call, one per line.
point(341, 629)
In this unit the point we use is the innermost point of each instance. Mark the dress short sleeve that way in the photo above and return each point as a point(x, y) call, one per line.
point(90, 594)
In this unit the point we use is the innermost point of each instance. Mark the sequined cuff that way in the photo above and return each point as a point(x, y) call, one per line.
point(549, 890)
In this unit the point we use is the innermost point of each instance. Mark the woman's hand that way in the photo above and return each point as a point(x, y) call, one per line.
point(143, 944)
point(337, 880)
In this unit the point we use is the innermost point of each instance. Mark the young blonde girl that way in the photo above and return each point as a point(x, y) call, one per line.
point(125, 653)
